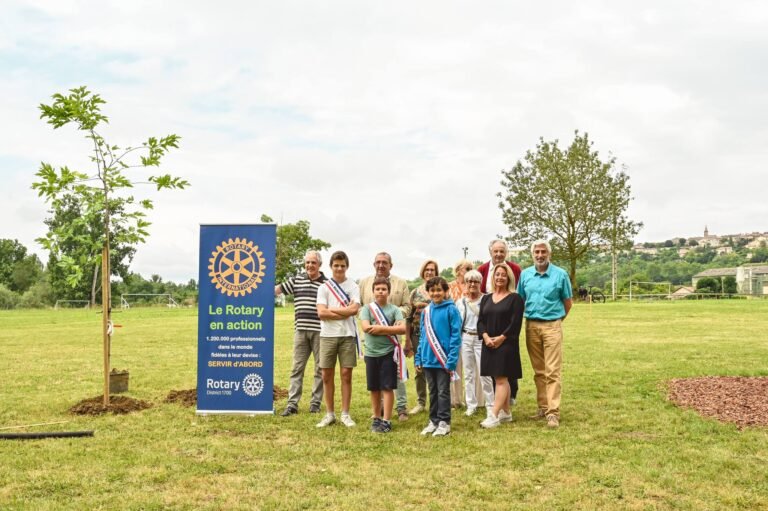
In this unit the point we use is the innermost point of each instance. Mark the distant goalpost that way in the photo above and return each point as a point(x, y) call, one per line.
point(59, 303)
point(169, 301)
point(650, 295)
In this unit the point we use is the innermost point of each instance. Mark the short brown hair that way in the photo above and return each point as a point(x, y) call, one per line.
point(339, 256)
point(437, 282)
point(379, 281)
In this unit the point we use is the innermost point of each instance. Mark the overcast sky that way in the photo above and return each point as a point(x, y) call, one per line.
point(387, 124)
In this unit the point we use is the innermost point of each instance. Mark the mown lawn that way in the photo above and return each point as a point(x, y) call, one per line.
point(621, 445)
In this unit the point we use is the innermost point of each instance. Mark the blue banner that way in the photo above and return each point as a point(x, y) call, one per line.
point(236, 321)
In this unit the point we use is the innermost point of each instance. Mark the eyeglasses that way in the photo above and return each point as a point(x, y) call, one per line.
point(472, 282)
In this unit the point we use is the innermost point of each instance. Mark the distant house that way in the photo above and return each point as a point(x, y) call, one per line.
point(724, 249)
point(715, 273)
point(682, 292)
point(757, 242)
point(751, 279)
point(645, 250)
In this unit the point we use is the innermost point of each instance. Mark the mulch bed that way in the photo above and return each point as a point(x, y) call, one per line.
point(741, 400)
point(189, 397)
point(118, 405)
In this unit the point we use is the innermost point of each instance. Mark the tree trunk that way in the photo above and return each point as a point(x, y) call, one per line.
point(94, 283)
point(572, 273)
point(614, 273)
point(106, 310)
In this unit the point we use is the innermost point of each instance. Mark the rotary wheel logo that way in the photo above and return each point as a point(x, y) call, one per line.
point(253, 384)
point(236, 267)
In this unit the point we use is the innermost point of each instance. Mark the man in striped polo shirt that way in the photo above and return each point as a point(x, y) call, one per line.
point(306, 339)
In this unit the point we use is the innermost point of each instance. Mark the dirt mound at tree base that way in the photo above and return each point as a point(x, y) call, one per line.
point(741, 400)
point(117, 404)
point(189, 397)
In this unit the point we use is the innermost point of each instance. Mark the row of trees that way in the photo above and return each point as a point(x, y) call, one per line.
point(26, 283)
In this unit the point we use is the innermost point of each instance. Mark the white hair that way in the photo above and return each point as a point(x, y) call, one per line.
point(492, 243)
point(316, 254)
point(473, 276)
point(541, 242)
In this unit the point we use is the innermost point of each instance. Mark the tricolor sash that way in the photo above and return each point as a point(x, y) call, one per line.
point(434, 343)
point(343, 298)
point(399, 355)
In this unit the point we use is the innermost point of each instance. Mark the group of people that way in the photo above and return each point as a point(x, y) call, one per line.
point(464, 337)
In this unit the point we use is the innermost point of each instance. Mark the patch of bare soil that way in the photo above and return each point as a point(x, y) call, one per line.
point(279, 393)
point(117, 404)
point(738, 399)
point(189, 397)
point(183, 397)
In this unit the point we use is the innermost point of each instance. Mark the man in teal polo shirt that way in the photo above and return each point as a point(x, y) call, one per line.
point(546, 290)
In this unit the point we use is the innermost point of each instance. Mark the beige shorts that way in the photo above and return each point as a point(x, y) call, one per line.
point(342, 347)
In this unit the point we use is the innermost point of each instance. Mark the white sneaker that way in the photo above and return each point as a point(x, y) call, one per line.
point(416, 410)
point(489, 419)
point(347, 420)
point(505, 416)
point(431, 428)
point(470, 411)
point(442, 429)
point(326, 421)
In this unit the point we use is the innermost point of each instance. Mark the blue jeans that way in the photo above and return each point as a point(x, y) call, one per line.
point(439, 383)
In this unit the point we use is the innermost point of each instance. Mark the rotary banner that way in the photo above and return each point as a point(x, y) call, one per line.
point(236, 320)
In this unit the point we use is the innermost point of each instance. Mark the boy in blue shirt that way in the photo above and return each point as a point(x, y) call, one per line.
point(438, 353)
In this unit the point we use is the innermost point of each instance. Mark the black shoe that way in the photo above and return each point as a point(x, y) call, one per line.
point(289, 410)
point(314, 408)
point(384, 427)
point(375, 424)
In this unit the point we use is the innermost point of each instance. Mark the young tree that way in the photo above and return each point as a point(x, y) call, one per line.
point(570, 197)
point(293, 241)
point(103, 197)
point(121, 253)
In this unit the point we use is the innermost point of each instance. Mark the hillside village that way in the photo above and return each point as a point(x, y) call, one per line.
point(748, 249)
point(724, 244)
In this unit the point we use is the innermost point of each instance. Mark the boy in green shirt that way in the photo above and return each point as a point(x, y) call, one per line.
point(382, 322)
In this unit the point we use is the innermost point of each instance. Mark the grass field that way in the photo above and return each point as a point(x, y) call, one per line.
point(621, 445)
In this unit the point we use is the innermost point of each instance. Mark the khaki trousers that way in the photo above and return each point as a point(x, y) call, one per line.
point(306, 343)
point(544, 340)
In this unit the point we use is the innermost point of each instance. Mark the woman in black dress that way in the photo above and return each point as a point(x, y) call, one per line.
point(501, 316)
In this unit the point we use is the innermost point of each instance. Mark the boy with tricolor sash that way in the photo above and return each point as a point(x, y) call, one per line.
point(382, 322)
point(338, 301)
point(438, 353)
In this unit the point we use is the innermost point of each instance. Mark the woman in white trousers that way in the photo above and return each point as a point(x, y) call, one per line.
point(469, 309)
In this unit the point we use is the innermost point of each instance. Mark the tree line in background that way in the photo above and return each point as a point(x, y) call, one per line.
point(26, 282)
